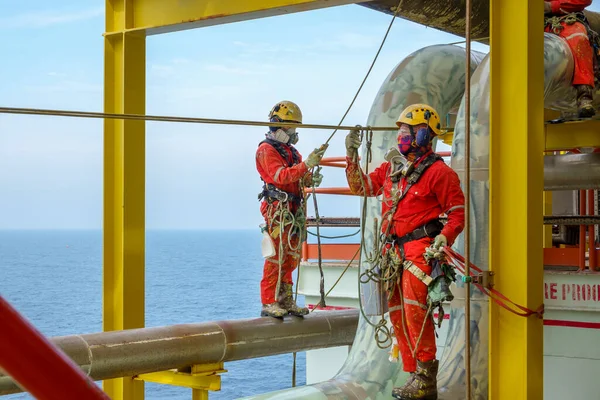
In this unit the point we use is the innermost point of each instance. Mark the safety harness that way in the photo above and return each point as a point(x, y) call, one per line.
point(271, 192)
point(431, 228)
point(442, 274)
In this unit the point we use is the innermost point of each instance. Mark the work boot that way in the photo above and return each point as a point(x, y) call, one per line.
point(273, 310)
point(422, 385)
point(585, 108)
point(286, 301)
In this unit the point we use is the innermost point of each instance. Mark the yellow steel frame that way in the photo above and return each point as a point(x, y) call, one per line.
point(515, 204)
point(128, 22)
point(200, 378)
point(516, 211)
point(158, 16)
point(124, 184)
point(571, 135)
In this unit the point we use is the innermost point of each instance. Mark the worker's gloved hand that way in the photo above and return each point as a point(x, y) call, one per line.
point(435, 250)
point(352, 143)
point(439, 242)
point(314, 158)
point(317, 178)
point(547, 7)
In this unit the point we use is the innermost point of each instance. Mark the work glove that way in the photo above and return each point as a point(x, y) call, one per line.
point(439, 242)
point(352, 143)
point(435, 250)
point(317, 178)
point(314, 158)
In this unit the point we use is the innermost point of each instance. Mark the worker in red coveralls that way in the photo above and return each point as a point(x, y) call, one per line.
point(424, 188)
point(566, 19)
point(284, 175)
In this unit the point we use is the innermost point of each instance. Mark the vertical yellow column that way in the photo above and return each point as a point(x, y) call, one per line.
point(516, 188)
point(124, 183)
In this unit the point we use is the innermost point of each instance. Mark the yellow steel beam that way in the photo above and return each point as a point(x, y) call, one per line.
point(210, 382)
point(160, 16)
point(516, 187)
point(124, 185)
point(572, 135)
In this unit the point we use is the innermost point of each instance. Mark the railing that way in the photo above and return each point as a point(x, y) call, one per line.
point(190, 355)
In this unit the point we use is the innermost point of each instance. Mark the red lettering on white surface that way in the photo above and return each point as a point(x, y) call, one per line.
point(572, 292)
point(553, 295)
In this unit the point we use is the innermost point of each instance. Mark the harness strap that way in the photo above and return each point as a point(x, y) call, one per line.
point(430, 229)
point(271, 193)
point(417, 272)
point(280, 147)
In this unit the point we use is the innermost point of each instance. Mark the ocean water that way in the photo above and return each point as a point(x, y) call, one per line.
point(54, 278)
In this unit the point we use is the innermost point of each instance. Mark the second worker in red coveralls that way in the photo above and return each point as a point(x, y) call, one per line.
point(566, 19)
point(285, 175)
point(415, 228)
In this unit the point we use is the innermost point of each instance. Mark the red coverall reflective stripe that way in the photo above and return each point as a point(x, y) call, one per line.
point(274, 169)
point(437, 191)
point(577, 39)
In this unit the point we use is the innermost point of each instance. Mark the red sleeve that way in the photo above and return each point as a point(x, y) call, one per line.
point(272, 163)
point(373, 182)
point(569, 6)
point(447, 189)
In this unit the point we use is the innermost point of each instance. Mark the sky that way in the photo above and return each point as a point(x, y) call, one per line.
point(197, 176)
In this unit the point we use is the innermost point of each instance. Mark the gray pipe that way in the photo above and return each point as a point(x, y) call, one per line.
point(572, 171)
point(449, 15)
point(115, 354)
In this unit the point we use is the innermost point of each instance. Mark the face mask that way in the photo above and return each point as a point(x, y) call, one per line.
point(411, 143)
point(281, 136)
point(293, 135)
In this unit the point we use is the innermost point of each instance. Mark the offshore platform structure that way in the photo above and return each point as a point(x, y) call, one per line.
point(518, 204)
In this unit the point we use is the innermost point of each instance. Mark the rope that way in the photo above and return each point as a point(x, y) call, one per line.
point(322, 282)
point(340, 277)
point(317, 220)
point(383, 336)
point(495, 295)
point(162, 118)
point(468, 195)
point(334, 237)
point(368, 73)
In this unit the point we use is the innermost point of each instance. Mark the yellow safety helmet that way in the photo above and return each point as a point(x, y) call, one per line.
point(417, 114)
point(286, 111)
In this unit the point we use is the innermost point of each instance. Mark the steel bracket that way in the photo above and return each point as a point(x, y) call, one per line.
point(485, 279)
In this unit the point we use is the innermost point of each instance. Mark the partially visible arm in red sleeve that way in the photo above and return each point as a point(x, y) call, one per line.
point(568, 6)
point(447, 189)
point(373, 182)
point(273, 164)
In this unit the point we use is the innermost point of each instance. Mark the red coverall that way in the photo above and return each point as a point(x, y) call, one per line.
point(437, 191)
point(274, 169)
point(577, 38)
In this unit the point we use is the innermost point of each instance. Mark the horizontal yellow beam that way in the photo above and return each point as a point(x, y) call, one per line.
point(203, 382)
point(160, 16)
point(572, 135)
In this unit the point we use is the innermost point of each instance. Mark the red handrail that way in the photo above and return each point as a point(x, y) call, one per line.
point(37, 365)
